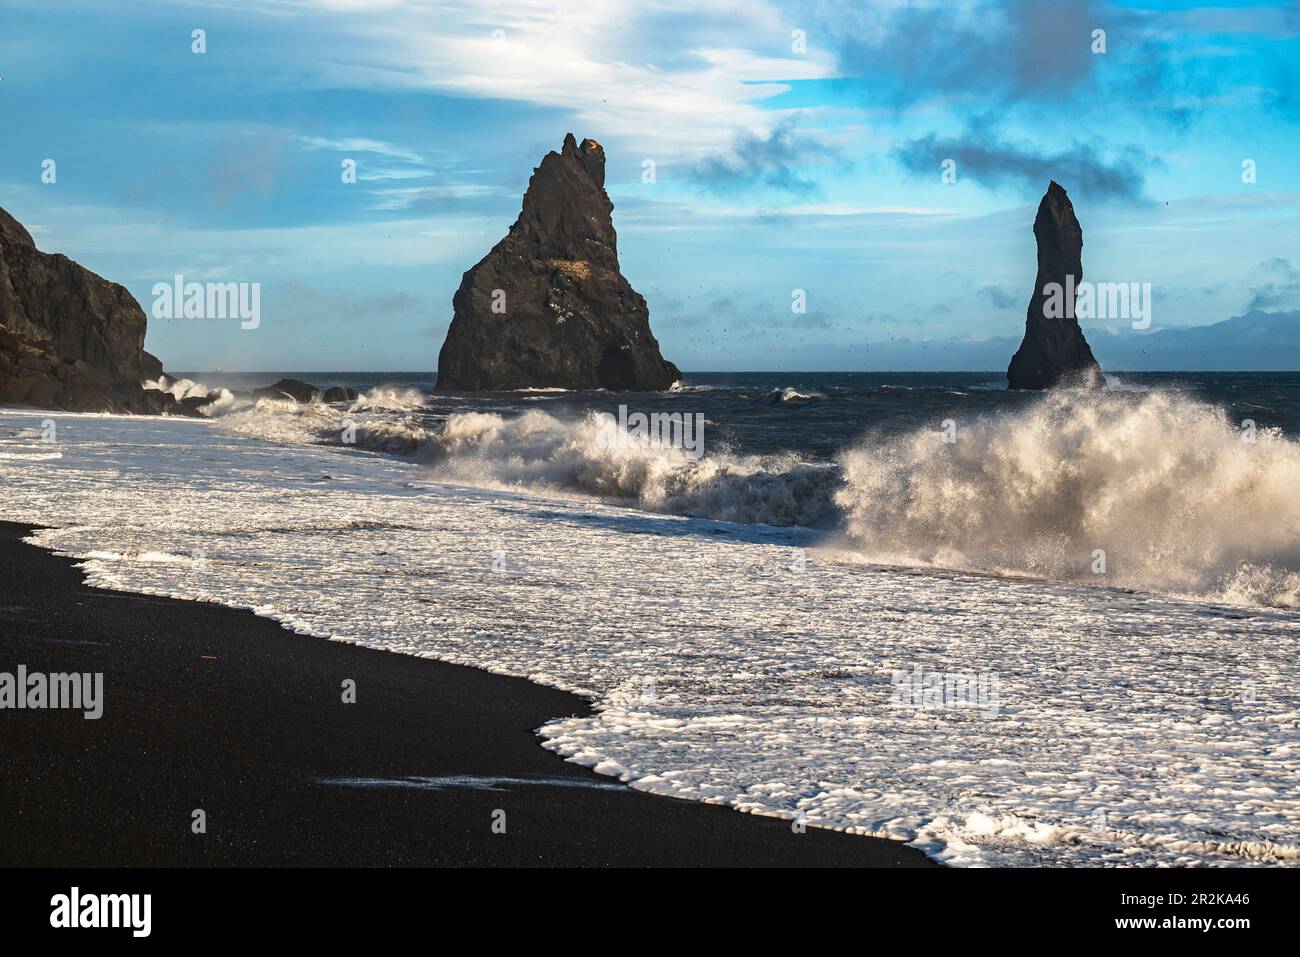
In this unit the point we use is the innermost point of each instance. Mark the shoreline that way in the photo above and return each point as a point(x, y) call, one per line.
point(213, 708)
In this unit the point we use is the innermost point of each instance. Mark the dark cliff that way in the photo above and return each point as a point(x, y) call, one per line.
point(70, 339)
point(47, 296)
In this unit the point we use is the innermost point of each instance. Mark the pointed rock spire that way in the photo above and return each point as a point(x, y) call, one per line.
point(1054, 349)
point(548, 306)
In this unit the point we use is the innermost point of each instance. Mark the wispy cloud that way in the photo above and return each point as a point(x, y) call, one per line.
point(780, 160)
point(358, 144)
point(426, 198)
point(982, 154)
point(669, 78)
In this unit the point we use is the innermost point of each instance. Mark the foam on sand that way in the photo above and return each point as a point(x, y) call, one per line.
point(735, 664)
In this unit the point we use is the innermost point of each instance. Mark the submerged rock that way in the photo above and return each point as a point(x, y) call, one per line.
point(304, 392)
point(338, 393)
point(1054, 349)
point(294, 389)
point(548, 306)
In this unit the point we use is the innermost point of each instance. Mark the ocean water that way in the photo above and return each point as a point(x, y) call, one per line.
point(815, 414)
point(1008, 628)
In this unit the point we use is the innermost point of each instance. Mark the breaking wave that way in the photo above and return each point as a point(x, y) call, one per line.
point(1138, 489)
point(288, 422)
point(791, 396)
point(315, 423)
point(224, 401)
point(389, 398)
point(1147, 490)
point(536, 451)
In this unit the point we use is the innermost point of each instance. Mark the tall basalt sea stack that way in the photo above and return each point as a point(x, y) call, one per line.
point(548, 307)
point(1054, 349)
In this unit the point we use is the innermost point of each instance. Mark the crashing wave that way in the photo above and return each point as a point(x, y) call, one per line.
point(224, 402)
point(1143, 490)
point(790, 396)
point(540, 452)
point(389, 398)
point(1148, 490)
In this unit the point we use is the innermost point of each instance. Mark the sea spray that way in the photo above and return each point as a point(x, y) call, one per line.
point(388, 398)
point(1131, 488)
point(538, 452)
point(1176, 497)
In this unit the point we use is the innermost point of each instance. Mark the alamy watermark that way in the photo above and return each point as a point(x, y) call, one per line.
point(208, 300)
point(678, 430)
point(1102, 300)
point(36, 690)
point(75, 909)
point(943, 689)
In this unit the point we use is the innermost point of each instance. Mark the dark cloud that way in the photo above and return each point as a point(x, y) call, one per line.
point(999, 297)
point(1016, 56)
point(777, 161)
point(1026, 49)
point(1278, 286)
point(984, 156)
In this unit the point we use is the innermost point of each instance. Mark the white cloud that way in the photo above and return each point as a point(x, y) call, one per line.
point(664, 77)
point(361, 145)
point(398, 198)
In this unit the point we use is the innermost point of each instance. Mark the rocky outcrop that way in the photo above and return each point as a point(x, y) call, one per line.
point(1054, 349)
point(294, 389)
point(49, 297)
point(338, 393)
point(33, 373)
point(304, 392)
point(70, 339)
point(548, 306)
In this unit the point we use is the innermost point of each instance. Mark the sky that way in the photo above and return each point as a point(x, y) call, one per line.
point(793, 146)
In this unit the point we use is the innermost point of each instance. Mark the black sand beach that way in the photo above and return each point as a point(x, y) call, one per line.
point(208, 707)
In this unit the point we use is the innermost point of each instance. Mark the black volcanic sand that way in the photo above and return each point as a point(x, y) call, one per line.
point(209, 707)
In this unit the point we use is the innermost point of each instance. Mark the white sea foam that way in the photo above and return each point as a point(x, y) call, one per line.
point(390, 398)
point(224, 402)
point(536, 451)
point(1166, 487)
point(735, 664)
point(1148, 490)
point(792, 396)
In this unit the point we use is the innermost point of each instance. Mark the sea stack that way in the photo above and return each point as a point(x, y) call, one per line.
point(1054, 349)
point(548, 306)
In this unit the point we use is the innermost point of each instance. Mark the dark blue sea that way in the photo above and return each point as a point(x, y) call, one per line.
point(816, 415)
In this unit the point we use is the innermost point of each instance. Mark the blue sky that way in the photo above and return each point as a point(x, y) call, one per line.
point(778, 166)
